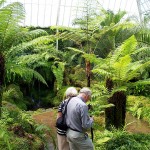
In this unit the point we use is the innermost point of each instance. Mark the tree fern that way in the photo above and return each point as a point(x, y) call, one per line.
point(120, 66)
point(10, 17)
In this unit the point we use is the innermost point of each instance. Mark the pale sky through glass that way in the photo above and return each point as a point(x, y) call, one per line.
point(45, 13)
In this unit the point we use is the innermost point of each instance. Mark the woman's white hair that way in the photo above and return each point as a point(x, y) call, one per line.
point(71, 91)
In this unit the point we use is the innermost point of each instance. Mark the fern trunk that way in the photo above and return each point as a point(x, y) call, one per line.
point(2, 71)
point(115, 116)
point(88, 73)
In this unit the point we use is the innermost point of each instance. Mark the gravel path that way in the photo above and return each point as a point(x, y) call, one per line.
point(48, 118)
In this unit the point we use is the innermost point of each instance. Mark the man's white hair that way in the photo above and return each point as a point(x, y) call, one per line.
point(71, 91)
point(86, 90)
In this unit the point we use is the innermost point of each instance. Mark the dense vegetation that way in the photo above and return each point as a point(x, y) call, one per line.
point(106, 52)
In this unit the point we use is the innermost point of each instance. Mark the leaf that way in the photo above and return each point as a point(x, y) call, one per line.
point(103, 140)
point(75, 50)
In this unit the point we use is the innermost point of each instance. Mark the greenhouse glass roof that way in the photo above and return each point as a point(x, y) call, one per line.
point(46, 13)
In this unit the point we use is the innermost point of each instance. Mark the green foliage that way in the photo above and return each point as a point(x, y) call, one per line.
point(143, 37)
point(120, 140)
point(13, 95)
point(110, 17)
point(139, 106)
point(30, 35)
point(20, 131)
point(5, 139)
point(98, 101)
point(10, 20)
point(78, 74)
point(58, 70)
point(119, 66)
point(139, 90)
point(60, 96)
point(27, 74)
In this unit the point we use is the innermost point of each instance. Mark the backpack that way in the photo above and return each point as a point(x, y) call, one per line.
point(61, 121)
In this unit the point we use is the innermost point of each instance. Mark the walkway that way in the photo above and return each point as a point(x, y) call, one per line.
point(48, 118)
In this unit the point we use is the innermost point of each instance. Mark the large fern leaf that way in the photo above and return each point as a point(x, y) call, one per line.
point(58, 70)
point(9, 24)
point(126, 48)
point(13, 70)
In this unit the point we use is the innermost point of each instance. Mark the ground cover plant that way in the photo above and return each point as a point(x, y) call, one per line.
point(121, 140)
point(18, 130)
point(139, 106)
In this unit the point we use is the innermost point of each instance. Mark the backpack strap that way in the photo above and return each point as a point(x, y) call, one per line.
point(65, 107)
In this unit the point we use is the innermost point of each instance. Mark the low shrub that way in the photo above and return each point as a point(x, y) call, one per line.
point(121, 140)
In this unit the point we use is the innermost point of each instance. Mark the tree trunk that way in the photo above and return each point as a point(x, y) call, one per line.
point(115, 116)
point(88, 73)
point(2, 71)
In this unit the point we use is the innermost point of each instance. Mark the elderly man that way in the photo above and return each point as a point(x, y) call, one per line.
point(78, 121)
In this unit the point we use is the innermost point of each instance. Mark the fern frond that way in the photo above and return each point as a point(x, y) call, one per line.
point(58, 70)
point(4, 135)
point(143, 37)
point(143, 50)
point(135, 72)
point(25, 36)
point(27, 47)
point(75, 50)
point(92, 58)
point(141, 82)
point(121, 88)
point(26, 73)
point(125, 49)
point(121, 66)
point(101, 72)
point(9, 25)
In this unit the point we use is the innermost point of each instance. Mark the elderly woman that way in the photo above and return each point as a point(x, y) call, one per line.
point(61, 134)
